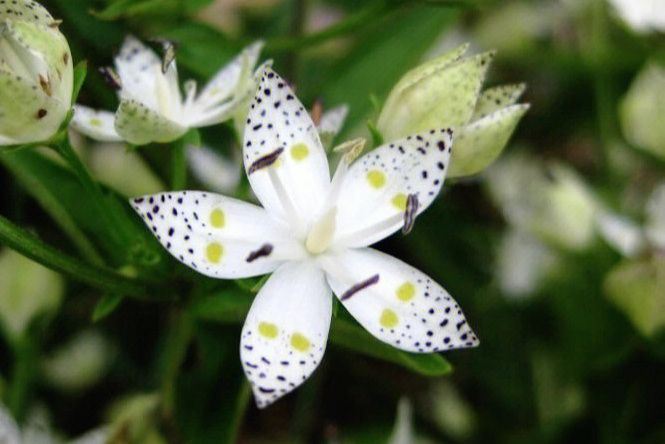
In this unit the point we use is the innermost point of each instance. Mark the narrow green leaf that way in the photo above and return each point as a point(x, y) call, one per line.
point(80, 73)
point(352, 337)
point(227, 307)
point(106, 305)
point(97, 276)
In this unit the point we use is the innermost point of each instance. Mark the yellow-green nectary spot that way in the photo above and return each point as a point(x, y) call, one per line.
point(268, 330)
point(299, 151)
point(300, 342)
point(95, 122)
point(217, 218)
point(376, 178)
point(388, 318)
point(214, 252)
point(399, 201)
point(406, 291)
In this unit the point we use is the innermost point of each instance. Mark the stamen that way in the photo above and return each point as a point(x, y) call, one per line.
point(265, 161)
point(317, 112)
point(410, 213)
point(265, 250)
point(168, 57)
point(350, 151)
point(366, 233)
point(322, 233)
point(359, 287)
point(111, 77)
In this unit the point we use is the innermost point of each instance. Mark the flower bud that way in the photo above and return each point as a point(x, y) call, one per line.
point(27, 290)
point(36, 74)
point(446, 92)
point(642, 109)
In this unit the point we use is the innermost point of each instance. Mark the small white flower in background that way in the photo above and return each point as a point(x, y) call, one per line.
point(36, 73)
point(312, 234)
point(122, 169)
point(403, 432)
point(27, 291)
point(642, 108)
point(642, 16)
point(79, 363)
point(551, 203)
point(37, 430)
point(446, 91)
point(523, 262)
point(630, 238)
point(152, 107)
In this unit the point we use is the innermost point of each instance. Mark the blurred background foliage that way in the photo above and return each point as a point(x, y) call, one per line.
point(569, 309)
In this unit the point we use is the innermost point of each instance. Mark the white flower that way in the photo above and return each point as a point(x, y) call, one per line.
point(36, 73)
point(642, 15)
point(313, 234)
point(152, 108)
point(447, 91)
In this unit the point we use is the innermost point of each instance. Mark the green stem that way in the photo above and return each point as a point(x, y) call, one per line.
point(175, 350)
point(24, 371)
point(351, 23)
point(97, 276)
point(108, 216)
point(179, 164)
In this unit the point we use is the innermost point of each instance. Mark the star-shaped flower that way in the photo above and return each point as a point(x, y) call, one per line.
point(313, 235)
point(152, 108)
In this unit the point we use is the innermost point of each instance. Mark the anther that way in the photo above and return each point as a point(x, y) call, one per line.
point(265, 161)
point(265, 250)
point(410, 213)
point(359, 287)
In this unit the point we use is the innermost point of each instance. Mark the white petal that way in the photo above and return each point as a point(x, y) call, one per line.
point(494, 99)
point(217, 235)
point(9, 432)
point(97, 436)
point(138, 67)
point(374, 192)
point(140, 124)
point(621, 233)
point(213, 170)
point(286, 330)
point(404, 308)
point(655, 217)
point(277, 120)
point(98, 125)
point(332, 122)
point(224, 84)
point(27, 10)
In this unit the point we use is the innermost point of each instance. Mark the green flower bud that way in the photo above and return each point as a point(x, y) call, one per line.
point(642, 109)
point(446, 92)
point(36, 73)
point(27, 290)
point(636, 288)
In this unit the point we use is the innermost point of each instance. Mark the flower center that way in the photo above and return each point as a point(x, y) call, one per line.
point(321, 234)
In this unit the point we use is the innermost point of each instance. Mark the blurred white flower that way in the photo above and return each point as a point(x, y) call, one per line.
point(79, 363)
point(446, 91)
point(122, 169)
point(642, 108)
point(36, 73)
point(642, 16)
point(213, 170)
point(522, 263)
point(551, 203)
point(152, 108)
point(403, 432)
point(27, 290)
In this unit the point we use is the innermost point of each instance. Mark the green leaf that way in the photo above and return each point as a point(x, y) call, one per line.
point(228, 307)
point(106, 305)
point(348, 335)
point(97, 276)
point(80, 73)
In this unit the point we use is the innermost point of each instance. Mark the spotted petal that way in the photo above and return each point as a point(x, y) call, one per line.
point(216, 235)
point(299, 180)
point(286, 330)
point(404, 307)
point(494, 99)
point(138, 124)
point(25, 10)
point(138, 67)
point(479, 144)
point(98, 125)
point(374, 193)
point(331, 123)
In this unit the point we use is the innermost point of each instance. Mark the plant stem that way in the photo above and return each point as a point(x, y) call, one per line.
point(179, 164)
point(97, 276)
point(23, 374)
point(108, 215)
point(175, 350)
